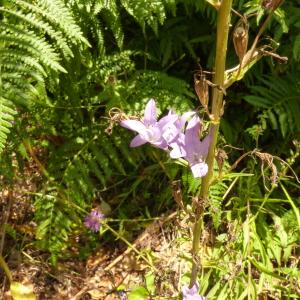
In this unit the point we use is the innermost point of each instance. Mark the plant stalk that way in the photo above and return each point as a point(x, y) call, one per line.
point(217, 107)
point(5, 268)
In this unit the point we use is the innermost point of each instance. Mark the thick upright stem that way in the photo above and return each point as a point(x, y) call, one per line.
point(217, 107)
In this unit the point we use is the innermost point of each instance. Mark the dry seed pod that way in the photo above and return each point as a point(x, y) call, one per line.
point(271, 4)
point(201, 88)
point(240, 38)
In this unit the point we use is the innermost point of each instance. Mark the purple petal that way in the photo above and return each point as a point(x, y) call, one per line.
point(170, 132)
point(205, 145)
point(134, 125)
point(150, 113)
point(137, 141)
point(183, 119)
point(199, 170)
point(196, 150)
point(191, 293)
point(161, 143)
point(177, 151)
point(167, 119)
point(93, 220)
point(193, 127)
point(178, 147)
point(152, 134)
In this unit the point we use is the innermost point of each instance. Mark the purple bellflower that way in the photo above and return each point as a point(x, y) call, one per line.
point(191, 293)
point(174, 133)
point(177, 144)
point(150, 130)
point(190, 147)
point(93, 220)
point(196, 150)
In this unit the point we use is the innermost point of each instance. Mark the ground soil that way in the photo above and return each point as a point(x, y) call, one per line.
point(105, 272)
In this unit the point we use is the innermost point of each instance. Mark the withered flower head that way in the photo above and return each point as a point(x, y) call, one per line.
point(201, 88)
point(240, 38)
point(271, 4)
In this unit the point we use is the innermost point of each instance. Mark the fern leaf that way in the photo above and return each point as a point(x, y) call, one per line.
point(21, 58)
point(58, 10)
point(35, 45)
point(145, 12)
point(6, 117)
point(111, 15)
point(279, 97)
point(296, 48)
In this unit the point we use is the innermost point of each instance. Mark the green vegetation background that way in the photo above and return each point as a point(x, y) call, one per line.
point(64, 65)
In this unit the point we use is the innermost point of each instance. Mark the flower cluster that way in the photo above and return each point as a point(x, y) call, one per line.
point(93, 220)
point(177, 134)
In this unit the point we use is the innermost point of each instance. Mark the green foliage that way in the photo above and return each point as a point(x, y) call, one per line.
point(252, 250)
point(6, 117)
point(279, 98)
point(31, 51)
point(88, 162)
point(55, 223)
point(64, 92)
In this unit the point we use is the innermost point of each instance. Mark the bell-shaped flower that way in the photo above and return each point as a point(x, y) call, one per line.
point(150, 130)
point(196, 150)
point(178, 143)
point(191, 293)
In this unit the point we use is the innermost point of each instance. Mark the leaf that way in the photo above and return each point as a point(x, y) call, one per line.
point(149, 277)
point(296, 48)
point(283, 121)
point(139, 293)
point(214, 3)
point(264, 269)
point(295, 208)
point(21, 291)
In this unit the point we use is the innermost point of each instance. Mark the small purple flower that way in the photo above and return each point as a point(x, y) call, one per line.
point(149, 129)
point(191, 293)
point(122, 295)
point(93, 220)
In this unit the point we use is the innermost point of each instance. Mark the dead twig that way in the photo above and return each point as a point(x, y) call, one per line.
point(267, 158)
point(5, 219)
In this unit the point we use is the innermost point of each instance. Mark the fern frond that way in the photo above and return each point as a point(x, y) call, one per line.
point(21, 58)
point(145, 12)
point(296, 47)
point(111, 15)
point(59, 11)
point(7, 113)
point(31, 43)
point(35, 37)
point(280, 99)
point(44, 27)
point(55, 223)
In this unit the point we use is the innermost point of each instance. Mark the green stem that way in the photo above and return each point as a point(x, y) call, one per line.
point(217, 106)
point(4, 266)
point(131, 246)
